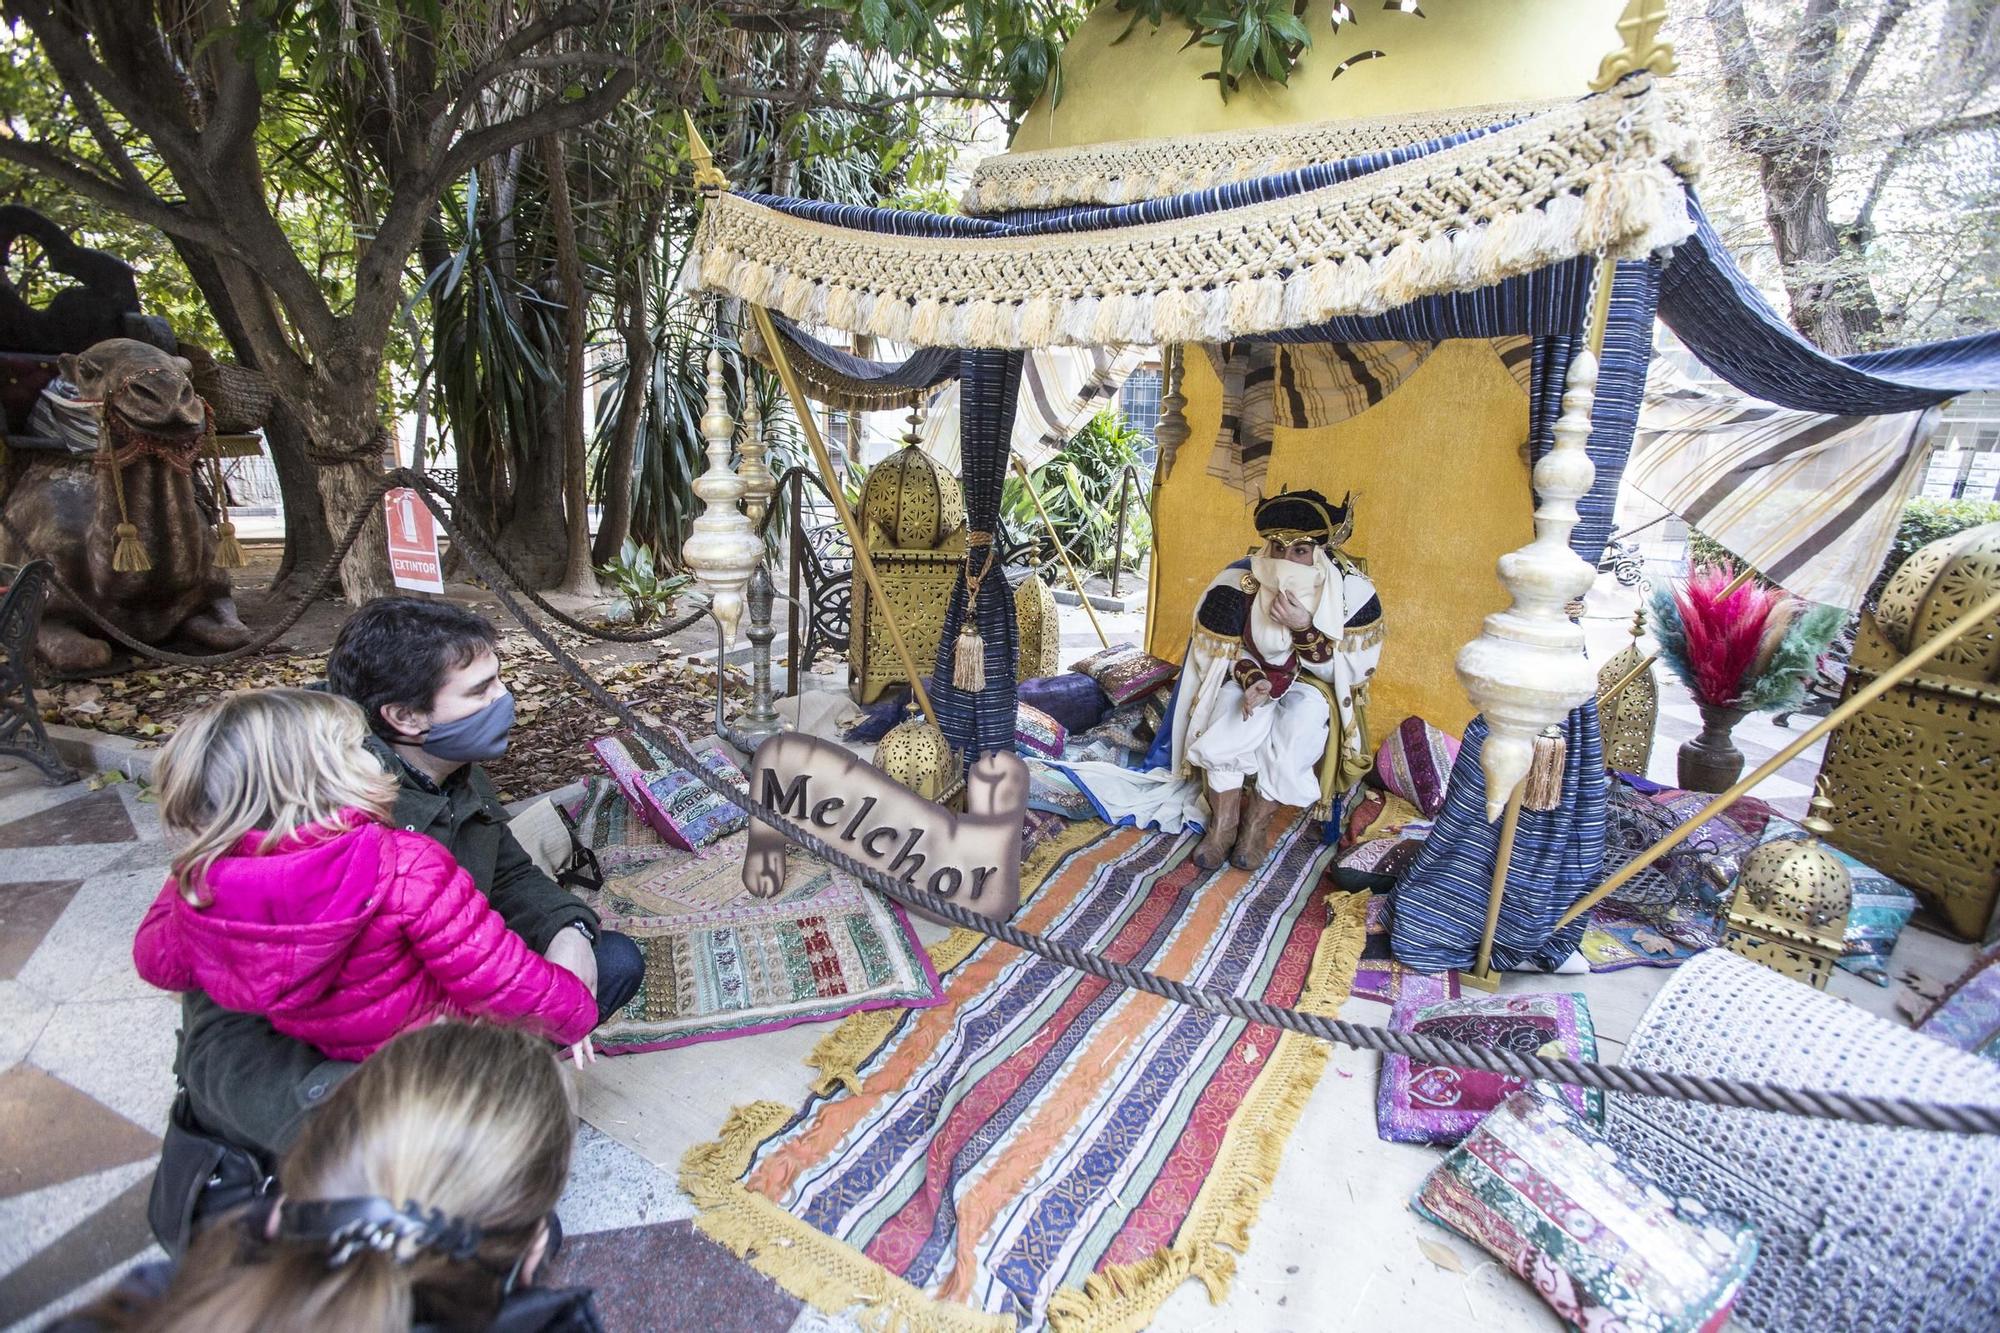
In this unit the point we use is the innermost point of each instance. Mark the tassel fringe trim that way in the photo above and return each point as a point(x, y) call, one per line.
point(1592, 177)
point(127, 555)
point(1544, 783)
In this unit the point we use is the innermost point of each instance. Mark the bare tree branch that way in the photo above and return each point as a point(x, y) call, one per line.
point(152, 211)
point(1885, 23)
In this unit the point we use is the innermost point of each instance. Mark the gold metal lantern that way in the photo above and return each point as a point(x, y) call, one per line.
point(1789, 911)
point(916, 754)
point(913, 518)
point(1628, 705)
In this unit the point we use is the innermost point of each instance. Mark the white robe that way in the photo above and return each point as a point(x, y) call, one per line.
point(1210, 701)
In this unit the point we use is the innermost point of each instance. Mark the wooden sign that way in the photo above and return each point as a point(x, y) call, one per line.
point(974, 859)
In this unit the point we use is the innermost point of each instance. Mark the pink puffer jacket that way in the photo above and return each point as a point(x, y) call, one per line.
point(345, 935)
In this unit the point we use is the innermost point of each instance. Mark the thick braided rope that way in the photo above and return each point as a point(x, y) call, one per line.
point(324, 580)
point(1893, 1112)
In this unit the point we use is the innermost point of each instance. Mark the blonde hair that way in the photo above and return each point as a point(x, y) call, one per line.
point(473, 1121)
point(271, 761)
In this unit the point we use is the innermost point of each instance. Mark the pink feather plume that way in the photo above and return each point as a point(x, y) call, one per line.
point(1724, 633)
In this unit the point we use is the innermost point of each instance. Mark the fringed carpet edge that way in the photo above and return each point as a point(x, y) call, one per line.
point(836, 1279)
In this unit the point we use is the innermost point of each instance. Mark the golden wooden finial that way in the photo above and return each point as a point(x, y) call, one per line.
point(706, 178)
point(1640, 26)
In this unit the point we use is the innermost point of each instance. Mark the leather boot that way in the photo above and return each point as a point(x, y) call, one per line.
point(1253, 844)
point(1224, 810)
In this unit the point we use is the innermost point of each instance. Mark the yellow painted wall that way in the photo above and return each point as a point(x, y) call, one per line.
point(1441, 488)
point(1461, 53)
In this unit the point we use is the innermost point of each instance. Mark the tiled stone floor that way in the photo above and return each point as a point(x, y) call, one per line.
point(86, 1055)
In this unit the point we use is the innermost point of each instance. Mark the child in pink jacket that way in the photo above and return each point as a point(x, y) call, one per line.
point(294, 899)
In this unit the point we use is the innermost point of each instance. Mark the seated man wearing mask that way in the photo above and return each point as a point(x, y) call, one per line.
point(427, 676)
point(1299, 604)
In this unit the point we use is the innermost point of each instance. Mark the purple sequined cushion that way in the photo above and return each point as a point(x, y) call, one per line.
point(1072, 699)
point(1415, 763)
point(1124, 672)
point(1038, 733)
point(1420, 1103)
point(680, 806)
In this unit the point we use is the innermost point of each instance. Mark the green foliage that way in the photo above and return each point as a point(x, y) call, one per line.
point(645, 587)
point(1783, 683)
point(1924, 521)
point(1079, 488)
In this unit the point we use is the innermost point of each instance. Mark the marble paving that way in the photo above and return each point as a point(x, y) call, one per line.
point(86, 1078)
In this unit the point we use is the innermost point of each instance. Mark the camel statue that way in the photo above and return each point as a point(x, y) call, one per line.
point(96, 517)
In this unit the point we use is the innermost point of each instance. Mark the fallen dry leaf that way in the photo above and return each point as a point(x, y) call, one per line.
point(1441, 1255)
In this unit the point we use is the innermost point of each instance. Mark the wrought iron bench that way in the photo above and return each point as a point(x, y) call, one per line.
point(21, 731)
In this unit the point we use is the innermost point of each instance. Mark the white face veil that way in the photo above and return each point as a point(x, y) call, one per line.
point(1317, 587)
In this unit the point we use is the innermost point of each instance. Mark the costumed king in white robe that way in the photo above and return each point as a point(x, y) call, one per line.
point(1257, 696)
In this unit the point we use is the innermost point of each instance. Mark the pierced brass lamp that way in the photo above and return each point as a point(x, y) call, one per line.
point(1789, 911)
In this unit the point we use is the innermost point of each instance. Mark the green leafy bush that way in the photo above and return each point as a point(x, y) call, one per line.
point(645, 587)
point(1924, 521)
point(1079, 488)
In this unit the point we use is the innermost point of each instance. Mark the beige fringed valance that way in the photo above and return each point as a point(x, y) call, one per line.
point(1592, 177)
point(1139, 169)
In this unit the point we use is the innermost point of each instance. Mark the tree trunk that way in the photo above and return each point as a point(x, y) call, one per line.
point(578, 579)
point(1831, 301)
point(308, 539)
point(614, 525)
point(364, 574)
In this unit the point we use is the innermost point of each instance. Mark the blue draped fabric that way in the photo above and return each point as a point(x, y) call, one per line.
point(1439, 906)
point(1438, 909)
point(1722, 317)
point(981, 723)
point(925, 368)
point(1621, 389)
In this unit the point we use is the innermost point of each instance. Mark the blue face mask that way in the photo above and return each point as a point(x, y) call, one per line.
point(476, 738)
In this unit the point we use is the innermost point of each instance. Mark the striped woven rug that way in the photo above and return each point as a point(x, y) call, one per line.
point(1044, 1148)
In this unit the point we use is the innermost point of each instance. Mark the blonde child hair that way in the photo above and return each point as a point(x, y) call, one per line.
point(264, 761)
point(472, 1121)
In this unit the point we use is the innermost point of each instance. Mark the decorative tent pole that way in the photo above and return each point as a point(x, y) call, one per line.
point(723, 548)
point(1169, 434)
point(802, 409)
point(1527, 671)
point(1021, 470)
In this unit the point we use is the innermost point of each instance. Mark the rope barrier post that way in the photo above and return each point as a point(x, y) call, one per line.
point(792, 612)
point(802, 409)
point(1882, 684)
point(1021, 469)
point(1482, 976)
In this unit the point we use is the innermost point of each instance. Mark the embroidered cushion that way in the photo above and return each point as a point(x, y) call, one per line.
point(679, 806)
point(1968, 1016)
point(1591, 1231)
point(1129, 727)
point(1415, 763)
point(876, 720)
point(607, 824)
point(1038, 733)
point(1420, 1103)
point(1124, 672)
point(1071, 698)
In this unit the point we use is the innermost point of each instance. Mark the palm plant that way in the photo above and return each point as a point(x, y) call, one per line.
point(1079, 489)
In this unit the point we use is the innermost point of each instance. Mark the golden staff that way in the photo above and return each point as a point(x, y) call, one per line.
point(1075, 582)
point(1882, 684)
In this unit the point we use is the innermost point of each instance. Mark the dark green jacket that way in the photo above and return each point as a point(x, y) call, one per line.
point(252, 1085)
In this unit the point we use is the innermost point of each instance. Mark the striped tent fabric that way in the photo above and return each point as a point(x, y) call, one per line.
point(983, 723)
point(1062, 388)
point(1323, 384)
point(1438, 908)
point(1809, 499)
point(1242, 453)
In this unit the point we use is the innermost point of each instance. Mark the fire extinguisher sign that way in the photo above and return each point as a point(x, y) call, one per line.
point(413, 543)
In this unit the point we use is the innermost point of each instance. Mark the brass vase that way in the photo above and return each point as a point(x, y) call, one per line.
point(1711, 761)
